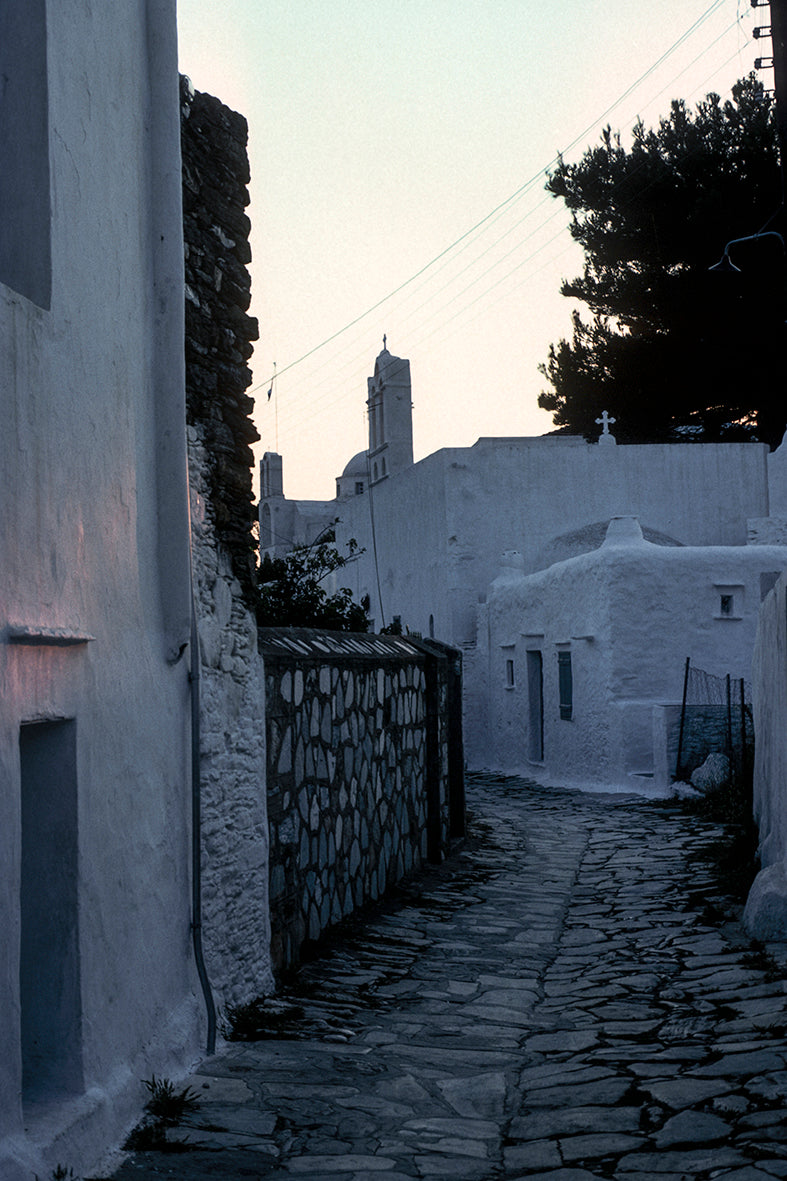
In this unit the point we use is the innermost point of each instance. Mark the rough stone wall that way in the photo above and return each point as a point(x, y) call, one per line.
point(348, 777)
point(236, 924)
point(218, 330)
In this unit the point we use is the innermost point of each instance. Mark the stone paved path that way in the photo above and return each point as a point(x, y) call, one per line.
point(565, 999)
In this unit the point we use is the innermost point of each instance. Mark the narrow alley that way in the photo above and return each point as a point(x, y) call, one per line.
point(570, 997)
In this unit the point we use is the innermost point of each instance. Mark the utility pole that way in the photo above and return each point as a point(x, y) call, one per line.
point(779, 41)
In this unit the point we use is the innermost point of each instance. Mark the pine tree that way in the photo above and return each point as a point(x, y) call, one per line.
point(668, 344)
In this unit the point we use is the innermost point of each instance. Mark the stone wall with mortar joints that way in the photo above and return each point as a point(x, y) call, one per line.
point(236, 924)
point(347, 778)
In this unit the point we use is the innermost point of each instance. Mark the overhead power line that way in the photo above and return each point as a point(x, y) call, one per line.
point(504, 205)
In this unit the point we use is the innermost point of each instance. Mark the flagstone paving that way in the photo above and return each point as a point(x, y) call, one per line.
point(571, 996)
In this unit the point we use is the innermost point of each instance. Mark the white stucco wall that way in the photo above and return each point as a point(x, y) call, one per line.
point(94, 541)
point(408, 548)
point(441, 525)
point(629, 613)
point(285, 524)
point(766, 907)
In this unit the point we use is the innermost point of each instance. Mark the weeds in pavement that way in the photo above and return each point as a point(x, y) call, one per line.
point(165, 1107)
point(761, 960)
point(260, 1019)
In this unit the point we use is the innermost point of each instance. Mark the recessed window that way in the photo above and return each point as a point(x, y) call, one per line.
point(730, 600)
point(359, 487)
point(266, 528)
point(510, 674)
point(25, 243)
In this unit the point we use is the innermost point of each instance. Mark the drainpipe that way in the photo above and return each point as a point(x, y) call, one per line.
point(196, 828)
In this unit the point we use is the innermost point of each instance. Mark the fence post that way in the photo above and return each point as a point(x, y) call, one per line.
point(743, 728)
point(682, 717)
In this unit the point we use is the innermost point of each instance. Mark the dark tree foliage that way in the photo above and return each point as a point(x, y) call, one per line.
point(292, 594)
point(667, 344)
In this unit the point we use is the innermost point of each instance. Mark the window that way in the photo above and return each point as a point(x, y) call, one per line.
point(359, 487)
point(25, 244)
point(729, 600)
point(266, 528)
point(565, 685)
point(509, 674)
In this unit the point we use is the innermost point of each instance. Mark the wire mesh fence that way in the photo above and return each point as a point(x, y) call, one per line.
point(716, 716)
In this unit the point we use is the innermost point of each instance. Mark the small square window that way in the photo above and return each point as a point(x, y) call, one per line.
point(730, 600)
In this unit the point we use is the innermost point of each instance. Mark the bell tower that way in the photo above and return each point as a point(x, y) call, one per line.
point(390, 416)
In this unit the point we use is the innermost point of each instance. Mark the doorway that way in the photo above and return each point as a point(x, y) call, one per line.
point(535, 695)
point(49, 976)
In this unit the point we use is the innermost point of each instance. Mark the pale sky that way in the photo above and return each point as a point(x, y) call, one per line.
point(379, 135)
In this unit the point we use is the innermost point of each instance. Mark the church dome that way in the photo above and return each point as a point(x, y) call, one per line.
point(358, 465)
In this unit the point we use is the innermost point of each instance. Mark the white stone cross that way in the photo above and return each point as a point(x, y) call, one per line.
point(605, 421)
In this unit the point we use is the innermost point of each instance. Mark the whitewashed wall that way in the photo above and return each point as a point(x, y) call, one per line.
point(441, 525)
point(94, 543)
point(629, 613)
point(766, 908)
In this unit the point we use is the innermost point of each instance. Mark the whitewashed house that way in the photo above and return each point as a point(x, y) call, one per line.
point(97, 986)
point(583, 662)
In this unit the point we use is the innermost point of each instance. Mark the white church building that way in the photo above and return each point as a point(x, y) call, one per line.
point(434, 533)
